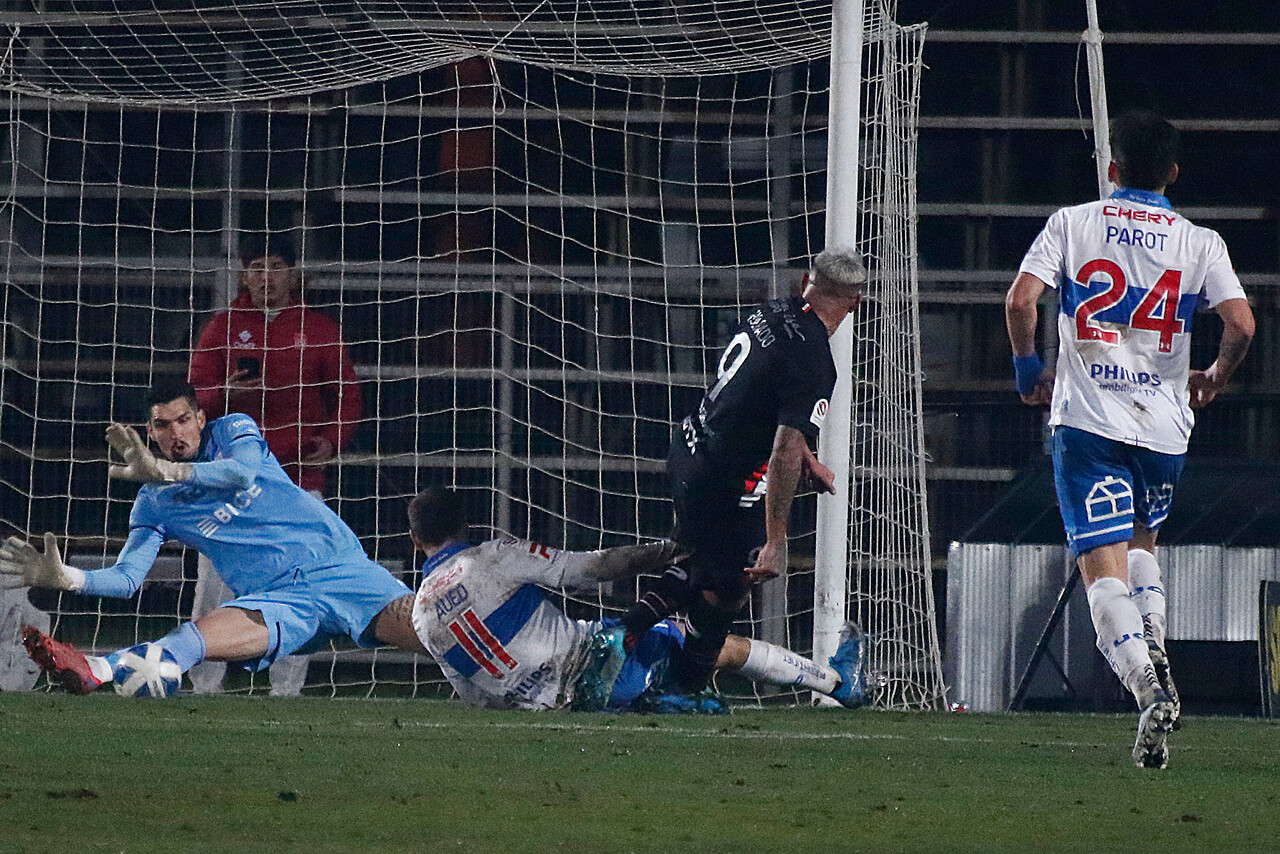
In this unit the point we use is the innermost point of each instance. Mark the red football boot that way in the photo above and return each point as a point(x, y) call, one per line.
point(61, 662)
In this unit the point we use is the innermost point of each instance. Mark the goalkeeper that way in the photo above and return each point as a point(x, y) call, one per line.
point(503, 644)
point(299, 574)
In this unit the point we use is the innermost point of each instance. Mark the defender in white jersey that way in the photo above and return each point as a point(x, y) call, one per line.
point(502, 643)
point(1131, 274)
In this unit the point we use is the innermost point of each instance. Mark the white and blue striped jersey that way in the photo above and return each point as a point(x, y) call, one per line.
point(499, 639)
point(1131, 273)
point(240, 509)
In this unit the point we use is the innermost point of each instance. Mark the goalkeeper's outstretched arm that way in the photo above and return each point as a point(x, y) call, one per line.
point(22, 565)
point(132, 565)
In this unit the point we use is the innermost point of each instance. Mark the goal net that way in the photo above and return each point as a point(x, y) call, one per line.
point(534, 223)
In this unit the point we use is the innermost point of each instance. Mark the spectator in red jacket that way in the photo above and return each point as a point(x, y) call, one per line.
point(285, 365)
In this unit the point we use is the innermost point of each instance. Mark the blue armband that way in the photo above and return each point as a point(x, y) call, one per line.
point(1026, 372)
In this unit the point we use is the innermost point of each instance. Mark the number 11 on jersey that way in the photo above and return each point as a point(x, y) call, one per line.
point(480, 644)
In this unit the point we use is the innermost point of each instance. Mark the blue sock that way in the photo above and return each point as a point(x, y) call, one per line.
point(185, 644)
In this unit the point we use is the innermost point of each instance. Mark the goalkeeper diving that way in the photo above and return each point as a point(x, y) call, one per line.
point(482, 612)
point(299, 575)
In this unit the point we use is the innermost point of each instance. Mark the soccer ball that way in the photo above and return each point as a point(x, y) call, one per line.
point(147, 670)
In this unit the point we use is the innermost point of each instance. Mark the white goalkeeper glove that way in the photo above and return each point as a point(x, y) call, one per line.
point(140, 464)
point(22, 566)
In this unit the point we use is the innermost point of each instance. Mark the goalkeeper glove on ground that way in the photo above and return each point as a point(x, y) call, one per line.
point(140, 464)
point(22, 566)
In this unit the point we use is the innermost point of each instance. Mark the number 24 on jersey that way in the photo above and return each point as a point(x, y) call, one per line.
point(1157, 311)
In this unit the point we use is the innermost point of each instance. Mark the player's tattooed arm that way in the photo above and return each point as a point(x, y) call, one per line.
point(1237, 334)
point(528, 561)
point(816, 476)
point(629, 561)
point(786, 464)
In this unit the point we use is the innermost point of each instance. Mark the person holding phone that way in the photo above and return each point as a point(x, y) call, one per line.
point(284, 364)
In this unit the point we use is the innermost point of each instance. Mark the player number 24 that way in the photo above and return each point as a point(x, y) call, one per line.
point(1163, 298)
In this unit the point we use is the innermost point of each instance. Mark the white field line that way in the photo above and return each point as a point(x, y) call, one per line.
point(678, 732)
point(749, 734)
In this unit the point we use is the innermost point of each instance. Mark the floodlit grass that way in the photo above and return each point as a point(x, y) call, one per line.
point(101, 773)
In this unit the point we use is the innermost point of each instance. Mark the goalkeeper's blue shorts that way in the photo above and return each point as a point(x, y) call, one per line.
point(1103, 486)
point(647, 663)
point(320, 604)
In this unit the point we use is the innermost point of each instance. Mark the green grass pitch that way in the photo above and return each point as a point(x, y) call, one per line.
point(99, 773)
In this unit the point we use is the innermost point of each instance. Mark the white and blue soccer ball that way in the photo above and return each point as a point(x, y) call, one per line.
point(147, 670)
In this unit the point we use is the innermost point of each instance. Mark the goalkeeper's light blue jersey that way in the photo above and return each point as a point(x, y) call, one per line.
point(241, 510)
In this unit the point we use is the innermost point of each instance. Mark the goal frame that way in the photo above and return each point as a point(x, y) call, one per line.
point(836, 564)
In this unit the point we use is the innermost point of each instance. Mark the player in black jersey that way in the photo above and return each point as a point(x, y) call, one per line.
point(735, 464)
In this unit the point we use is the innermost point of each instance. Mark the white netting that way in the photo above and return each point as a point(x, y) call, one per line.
point(534, 266)
point(890, 580)
point(164, 53)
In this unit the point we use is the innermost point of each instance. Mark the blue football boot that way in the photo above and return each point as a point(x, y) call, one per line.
point(705, 702)
point(605, 657)
point(850, 662)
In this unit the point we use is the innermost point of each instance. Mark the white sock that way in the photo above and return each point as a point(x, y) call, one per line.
point(1147, 592)
point(1119, 627)
point(100, 668)
point(767, 662)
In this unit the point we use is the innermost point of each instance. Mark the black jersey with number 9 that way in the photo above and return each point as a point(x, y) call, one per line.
point(776, 370)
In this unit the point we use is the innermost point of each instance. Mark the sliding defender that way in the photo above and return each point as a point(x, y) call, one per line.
point(503, 643)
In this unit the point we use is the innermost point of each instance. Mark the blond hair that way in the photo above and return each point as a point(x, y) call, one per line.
point(838, 273)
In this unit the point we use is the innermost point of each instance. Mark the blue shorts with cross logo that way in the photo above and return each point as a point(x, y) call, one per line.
point(1104, 485)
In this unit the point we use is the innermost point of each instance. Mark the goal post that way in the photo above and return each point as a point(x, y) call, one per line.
point(844, 129)
point(1098, 100)
point(872, 560)
point(534, 225)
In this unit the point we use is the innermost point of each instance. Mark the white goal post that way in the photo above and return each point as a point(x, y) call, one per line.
point(534, 221)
